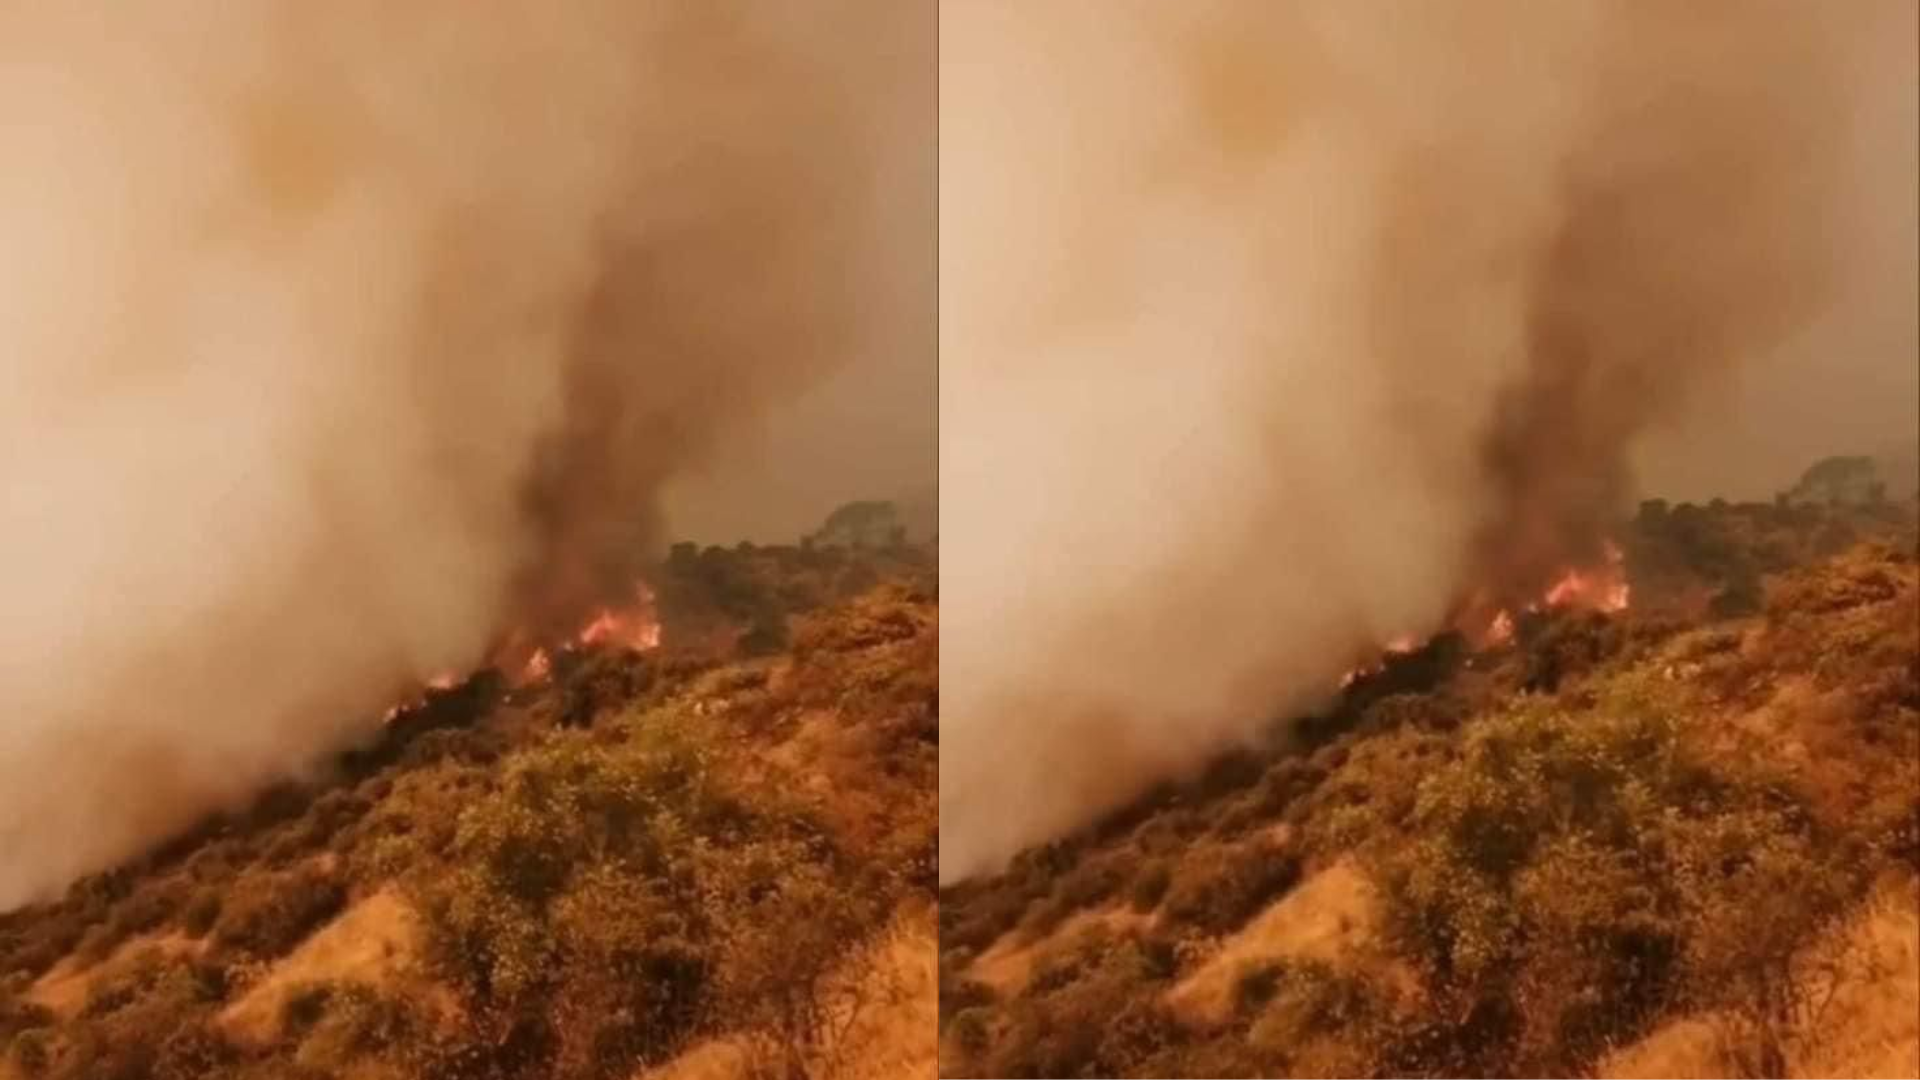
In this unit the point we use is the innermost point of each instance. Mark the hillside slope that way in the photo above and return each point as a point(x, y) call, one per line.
point(712, 858)
point(1683, 839)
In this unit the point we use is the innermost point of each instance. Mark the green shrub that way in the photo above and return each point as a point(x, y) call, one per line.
point(615, 889)
point(1595, 867)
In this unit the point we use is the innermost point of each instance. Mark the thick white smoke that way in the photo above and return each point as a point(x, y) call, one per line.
point(1268, 329)
point(337, 337)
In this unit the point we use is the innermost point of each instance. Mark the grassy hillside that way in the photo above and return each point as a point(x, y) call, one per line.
point(1679, 840)
point(716, 858)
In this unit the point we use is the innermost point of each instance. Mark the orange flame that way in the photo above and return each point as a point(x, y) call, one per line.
point(634, 628)
point(1603, 588)
point(538, 667)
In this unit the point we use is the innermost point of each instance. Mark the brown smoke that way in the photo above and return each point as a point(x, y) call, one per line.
point(1269, 330)
point(341, 337)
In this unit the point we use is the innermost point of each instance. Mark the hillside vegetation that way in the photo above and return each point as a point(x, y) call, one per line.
point(716, 858)
point(1679, 840)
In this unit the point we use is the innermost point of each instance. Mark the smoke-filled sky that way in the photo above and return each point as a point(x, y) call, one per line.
point(338, 339)
point(867, 431)
point(1267, 331)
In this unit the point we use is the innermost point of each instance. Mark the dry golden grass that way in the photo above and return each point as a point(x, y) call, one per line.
point(1872, 1027)
point(1331, 917)
point(1008, 963)
point(893, 1034)
point(376, 943)
point(721, 1059)
point(65, 986)
point(1688, 1049)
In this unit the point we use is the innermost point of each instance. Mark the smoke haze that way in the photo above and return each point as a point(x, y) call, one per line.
point(338, 338)
point(1268, 330)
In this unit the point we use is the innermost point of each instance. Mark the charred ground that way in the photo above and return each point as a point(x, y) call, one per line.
point(716, 857)
point(1680, 837)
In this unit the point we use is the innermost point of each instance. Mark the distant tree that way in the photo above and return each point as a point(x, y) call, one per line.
point(860, 524)
point(1838, 480)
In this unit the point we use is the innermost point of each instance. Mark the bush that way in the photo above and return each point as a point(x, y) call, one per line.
point(958, 995)
point(355, 1022)
point(145, 909)
point(1594, 867)
point(269, 913)
point(304, 1006)
point(612, 895)
point(1217, 889)
point(1091, 1013)
point(1091, 882)
point(201, 913)
point(191, 1052)
point(1313, 1020)
point(31, 1053)
point(1150, 887)
point(1256, 984)
point(971, 1029)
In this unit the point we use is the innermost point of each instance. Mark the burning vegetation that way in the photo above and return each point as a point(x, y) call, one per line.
point(1487, 624)
point(1665, 821)
point(634, 628)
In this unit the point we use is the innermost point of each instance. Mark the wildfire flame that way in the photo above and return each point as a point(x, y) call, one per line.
point(634, 627)
point(1399, 646)
point(1603, 588)
point(538, 667)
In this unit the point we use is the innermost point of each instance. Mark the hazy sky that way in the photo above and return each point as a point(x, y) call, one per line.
point(868, 431)
point(1850, 383)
